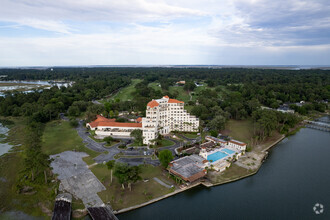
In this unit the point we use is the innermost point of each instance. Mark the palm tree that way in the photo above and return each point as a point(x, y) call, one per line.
point(110, 165)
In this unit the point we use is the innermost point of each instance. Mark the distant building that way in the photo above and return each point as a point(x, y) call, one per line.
point(198, 84)
point(189, 168)
point(282, 108)
point(285, 109)
point(181, 82)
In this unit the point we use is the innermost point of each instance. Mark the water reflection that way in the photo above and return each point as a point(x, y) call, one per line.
point(4, 147)
point(30, 86)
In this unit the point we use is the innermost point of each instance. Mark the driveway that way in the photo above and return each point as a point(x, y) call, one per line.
point(110, 152)
point(141, 153)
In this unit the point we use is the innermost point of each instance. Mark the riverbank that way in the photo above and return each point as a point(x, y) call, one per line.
point(284, 168)
point(34, 201)
point(206, 183)
point(237, 173)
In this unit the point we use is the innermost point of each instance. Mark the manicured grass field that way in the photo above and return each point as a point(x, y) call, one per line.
point(155, 86)
point(241, 130)
point(190, 135)
point(183, 95)
point(165, 143)
point(141, 191)
point(126, 93)
point(59, 136)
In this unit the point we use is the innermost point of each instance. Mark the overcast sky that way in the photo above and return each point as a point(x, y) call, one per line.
point(162, 32)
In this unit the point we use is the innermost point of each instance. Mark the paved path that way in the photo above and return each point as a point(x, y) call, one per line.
point(141, 153)
point(76, 178)
point(161, 182)
point(110, 152)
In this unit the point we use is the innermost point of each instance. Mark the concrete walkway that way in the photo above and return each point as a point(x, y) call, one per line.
point(161, 182)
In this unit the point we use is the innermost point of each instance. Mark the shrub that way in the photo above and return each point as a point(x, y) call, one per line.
point(73, 122)
point(108, 139)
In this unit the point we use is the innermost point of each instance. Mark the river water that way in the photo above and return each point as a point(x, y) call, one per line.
point(295, 177)
point(29, 86)
point(4, 147)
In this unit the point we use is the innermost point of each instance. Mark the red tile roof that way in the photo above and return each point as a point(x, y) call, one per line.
point(174, 101)
point(153, 103)
point(105, 122)
point(237, 142)
point(139, 119)
point(101, 118)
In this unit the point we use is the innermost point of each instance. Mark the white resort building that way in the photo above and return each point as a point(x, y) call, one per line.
point(165, 115)
point(162, 116)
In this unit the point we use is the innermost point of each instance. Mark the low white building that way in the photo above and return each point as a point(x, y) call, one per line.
point(240, 146)
point(234, 144)
point(109, 127)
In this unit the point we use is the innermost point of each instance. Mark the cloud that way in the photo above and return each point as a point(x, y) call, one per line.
point(163, 31)
point(281, 22)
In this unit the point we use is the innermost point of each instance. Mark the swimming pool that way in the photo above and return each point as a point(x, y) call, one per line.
point(216, 156)
point(228, 151)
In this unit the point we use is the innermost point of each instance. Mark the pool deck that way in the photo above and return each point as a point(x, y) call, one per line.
point(222, 151)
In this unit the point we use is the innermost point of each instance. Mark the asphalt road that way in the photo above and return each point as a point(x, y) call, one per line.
point(108, 153)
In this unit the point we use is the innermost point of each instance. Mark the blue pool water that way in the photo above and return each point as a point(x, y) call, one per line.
point(228, 151)
point(216, 156)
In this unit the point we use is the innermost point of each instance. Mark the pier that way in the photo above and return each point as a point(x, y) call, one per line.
point(319, 124)
point(102, 212)
point(62, 208)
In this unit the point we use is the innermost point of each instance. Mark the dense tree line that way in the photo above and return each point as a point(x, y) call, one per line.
point(36, 165)
point(236, 92)
point(47, 104)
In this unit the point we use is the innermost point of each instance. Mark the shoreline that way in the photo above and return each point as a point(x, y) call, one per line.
point(206, 184)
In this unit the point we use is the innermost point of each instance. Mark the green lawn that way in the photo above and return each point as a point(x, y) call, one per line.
point(10, 166)
point(155, 86)
point(232, 172)
point(126, 93)
point(59, 136)
point(190, 135)
point(183, 95)
point(141, 191)
point(188, 108)
point(241, 130)
point(88, 160)
point(112, 143)
point(165, 143)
